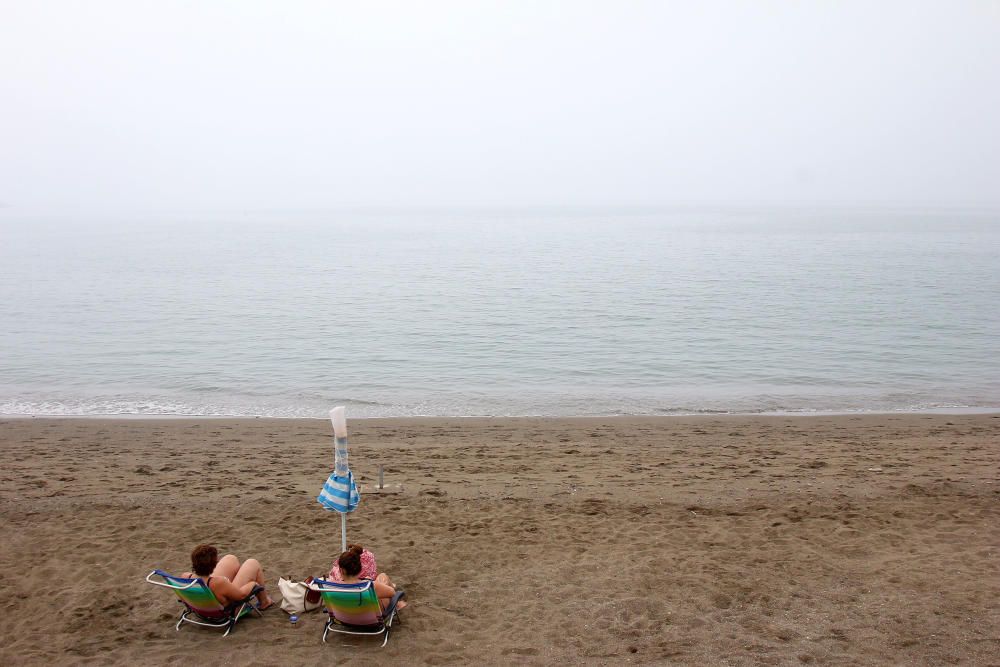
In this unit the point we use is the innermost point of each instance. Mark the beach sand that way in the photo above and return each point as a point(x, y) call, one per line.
point(690, 540)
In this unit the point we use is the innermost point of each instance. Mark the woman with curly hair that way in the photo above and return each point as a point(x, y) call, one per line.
point(226, 577)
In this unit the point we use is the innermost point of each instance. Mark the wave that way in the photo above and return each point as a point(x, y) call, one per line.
point(160, 407)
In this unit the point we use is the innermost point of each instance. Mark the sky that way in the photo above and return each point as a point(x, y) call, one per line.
point(160, 107)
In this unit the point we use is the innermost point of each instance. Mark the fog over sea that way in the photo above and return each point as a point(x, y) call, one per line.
point(533, 312)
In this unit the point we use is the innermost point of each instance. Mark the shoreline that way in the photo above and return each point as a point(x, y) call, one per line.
point(955, 411)
point(712, 539)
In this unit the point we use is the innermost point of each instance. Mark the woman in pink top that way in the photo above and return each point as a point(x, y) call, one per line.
point(368, 569)
point(350, 567)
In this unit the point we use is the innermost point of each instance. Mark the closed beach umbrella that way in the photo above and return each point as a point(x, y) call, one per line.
point(340, 493)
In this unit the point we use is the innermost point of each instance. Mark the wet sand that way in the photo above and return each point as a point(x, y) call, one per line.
point(697, 540)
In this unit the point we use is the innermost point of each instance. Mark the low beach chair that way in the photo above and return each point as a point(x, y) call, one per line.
point(201, 607)
point(354, 608)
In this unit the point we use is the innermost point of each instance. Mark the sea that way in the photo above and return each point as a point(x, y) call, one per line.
point(501, 312)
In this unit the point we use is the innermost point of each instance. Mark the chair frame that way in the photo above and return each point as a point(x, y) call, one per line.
point(234, 611)
point(383, 627)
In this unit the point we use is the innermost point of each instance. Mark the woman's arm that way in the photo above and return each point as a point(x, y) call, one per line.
point(224, 588)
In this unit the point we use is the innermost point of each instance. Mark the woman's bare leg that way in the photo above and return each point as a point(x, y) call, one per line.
point(383, 578)
point(251, 573)
point(227, 567)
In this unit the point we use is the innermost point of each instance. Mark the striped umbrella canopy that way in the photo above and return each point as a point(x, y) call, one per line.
point(340, 493)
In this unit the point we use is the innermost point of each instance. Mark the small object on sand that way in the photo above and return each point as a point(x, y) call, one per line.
point(874, 470)
point(387, 489)
point(294, 620)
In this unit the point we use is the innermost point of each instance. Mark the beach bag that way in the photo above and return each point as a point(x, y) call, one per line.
point(296, 597)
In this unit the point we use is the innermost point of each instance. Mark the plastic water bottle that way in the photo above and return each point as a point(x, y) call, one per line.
point(294, 620)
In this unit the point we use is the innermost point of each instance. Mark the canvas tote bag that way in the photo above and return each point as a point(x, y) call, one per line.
point(296, 597)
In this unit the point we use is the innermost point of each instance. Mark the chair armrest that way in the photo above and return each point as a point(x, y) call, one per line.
point(167, 584)
point(391, 607)
point(256, 589)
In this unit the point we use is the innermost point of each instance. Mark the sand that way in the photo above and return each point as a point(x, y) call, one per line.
point(702, 541)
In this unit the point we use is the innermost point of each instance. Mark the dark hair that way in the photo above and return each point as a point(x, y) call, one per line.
point(203, 559)
point(349, 562)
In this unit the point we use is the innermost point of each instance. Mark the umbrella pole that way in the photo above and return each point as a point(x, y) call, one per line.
point(343, 533)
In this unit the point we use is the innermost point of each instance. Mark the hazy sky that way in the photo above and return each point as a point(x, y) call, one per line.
point(230, 106)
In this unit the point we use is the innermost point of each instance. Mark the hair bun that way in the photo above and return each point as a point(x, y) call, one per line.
point(350, 561)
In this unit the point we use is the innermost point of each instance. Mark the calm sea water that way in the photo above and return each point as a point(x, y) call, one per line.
point(479, 313)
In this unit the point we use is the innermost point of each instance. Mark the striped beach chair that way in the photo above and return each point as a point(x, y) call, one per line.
point(354, 608)
point(201, 607)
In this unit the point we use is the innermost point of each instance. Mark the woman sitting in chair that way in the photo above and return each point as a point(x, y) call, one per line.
point(369, 570)
point(349, 563)
point(227, 579)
